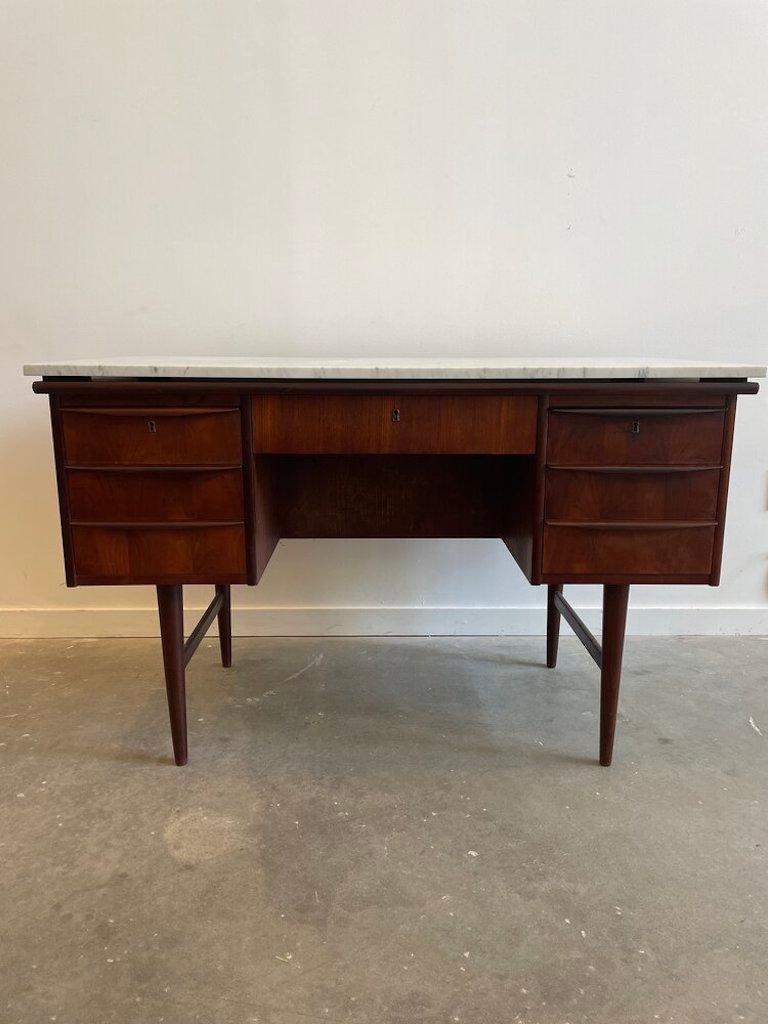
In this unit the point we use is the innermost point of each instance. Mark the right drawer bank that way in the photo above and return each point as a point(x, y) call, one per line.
point(633, 492)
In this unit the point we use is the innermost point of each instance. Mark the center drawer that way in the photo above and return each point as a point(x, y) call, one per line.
point(141, 437)
point(394, 424)
point(635, 437)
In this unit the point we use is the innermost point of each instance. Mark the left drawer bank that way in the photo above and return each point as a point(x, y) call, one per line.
point(151, 493)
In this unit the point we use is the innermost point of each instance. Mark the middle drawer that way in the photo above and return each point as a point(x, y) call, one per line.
point(176, 495)
point(652, 495)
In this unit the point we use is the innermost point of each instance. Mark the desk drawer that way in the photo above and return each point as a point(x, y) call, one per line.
point(394, 424)
point(189, 554)
point(635, 550)
point(635, 437)
point(164, 436)
point(655, 495)
point(155, 496)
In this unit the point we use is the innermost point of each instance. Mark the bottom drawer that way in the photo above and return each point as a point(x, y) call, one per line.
point(186, 554)
point(637, 551)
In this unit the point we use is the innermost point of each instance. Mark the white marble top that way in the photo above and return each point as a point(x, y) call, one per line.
point(447, 368)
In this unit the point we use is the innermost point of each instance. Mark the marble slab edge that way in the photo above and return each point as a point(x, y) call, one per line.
point(447, 371)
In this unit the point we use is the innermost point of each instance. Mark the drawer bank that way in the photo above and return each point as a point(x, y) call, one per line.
point(172, 473)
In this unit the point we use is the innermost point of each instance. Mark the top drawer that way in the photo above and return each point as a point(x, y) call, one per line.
point(151, 437)
point(635, 437)
point(394, 424)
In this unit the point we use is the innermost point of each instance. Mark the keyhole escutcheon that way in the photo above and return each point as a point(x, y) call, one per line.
point(152, 426)
point(395, 415)
point(636, 426)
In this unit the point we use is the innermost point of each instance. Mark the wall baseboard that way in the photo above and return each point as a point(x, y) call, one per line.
point(523, 621)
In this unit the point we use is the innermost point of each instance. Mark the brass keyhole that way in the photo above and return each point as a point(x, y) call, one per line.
point(152, 426)
point(395, 415)
point(636, 426)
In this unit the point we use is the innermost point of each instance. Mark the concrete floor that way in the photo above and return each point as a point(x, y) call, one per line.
point(384, 832)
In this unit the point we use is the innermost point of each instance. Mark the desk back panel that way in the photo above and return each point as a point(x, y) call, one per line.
point(392, 495)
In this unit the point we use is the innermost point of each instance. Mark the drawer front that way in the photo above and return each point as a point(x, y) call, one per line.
point(404, 424)
point(607, 551)
point(193, 554)
point(492, 425)
point(319, 424)
point(152, 496)
point(140, 437)
point(635, 437)
point(578, 495)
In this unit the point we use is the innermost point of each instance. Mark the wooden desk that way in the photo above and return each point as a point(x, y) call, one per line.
point(617, 480)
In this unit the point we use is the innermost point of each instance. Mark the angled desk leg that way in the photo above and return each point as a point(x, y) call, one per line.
point(170, 608)
point(225, 624)
point(553, 623)
point(177, 653)
point(615, 601)
point(607, 656)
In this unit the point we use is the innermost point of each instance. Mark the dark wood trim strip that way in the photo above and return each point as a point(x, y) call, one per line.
point(579, 628)
point(609, 386)
point(203, 626)
point(62, 487)
point(201, 579)
point(669, 410)
point(156, 412)
point(722, 494)
point(631, 469)
point(181, 524)
point(249, 489)
point(667, 524)
point(138, 468)
point(667, 578)
point(539, 492)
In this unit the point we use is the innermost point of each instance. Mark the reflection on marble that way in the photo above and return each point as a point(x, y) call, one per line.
point(317, 368)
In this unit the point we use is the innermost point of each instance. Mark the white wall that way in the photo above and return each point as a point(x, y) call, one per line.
point(379, 176)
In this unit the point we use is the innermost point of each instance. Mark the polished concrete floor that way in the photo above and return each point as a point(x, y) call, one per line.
point(383, 832)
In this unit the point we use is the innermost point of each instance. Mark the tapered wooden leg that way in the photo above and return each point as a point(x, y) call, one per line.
point(171, 611)
point(615, 600)
point(553, 624)
point(225, 625)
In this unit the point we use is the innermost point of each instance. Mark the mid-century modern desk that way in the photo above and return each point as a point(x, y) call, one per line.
point(172, 472)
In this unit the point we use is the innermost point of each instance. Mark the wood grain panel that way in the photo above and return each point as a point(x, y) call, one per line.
point(152, 496)
point(446, 425)
point(635, 437)
point(188, 554)
point(581, 495)
point(405, 424)
point(327, 424)
point(393, 496)
point(151, 436)
point(639, 552)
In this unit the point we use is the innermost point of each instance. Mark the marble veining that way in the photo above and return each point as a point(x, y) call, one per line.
point(447, 368)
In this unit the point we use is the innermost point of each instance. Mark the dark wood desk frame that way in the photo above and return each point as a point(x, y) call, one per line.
point(169, 482)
